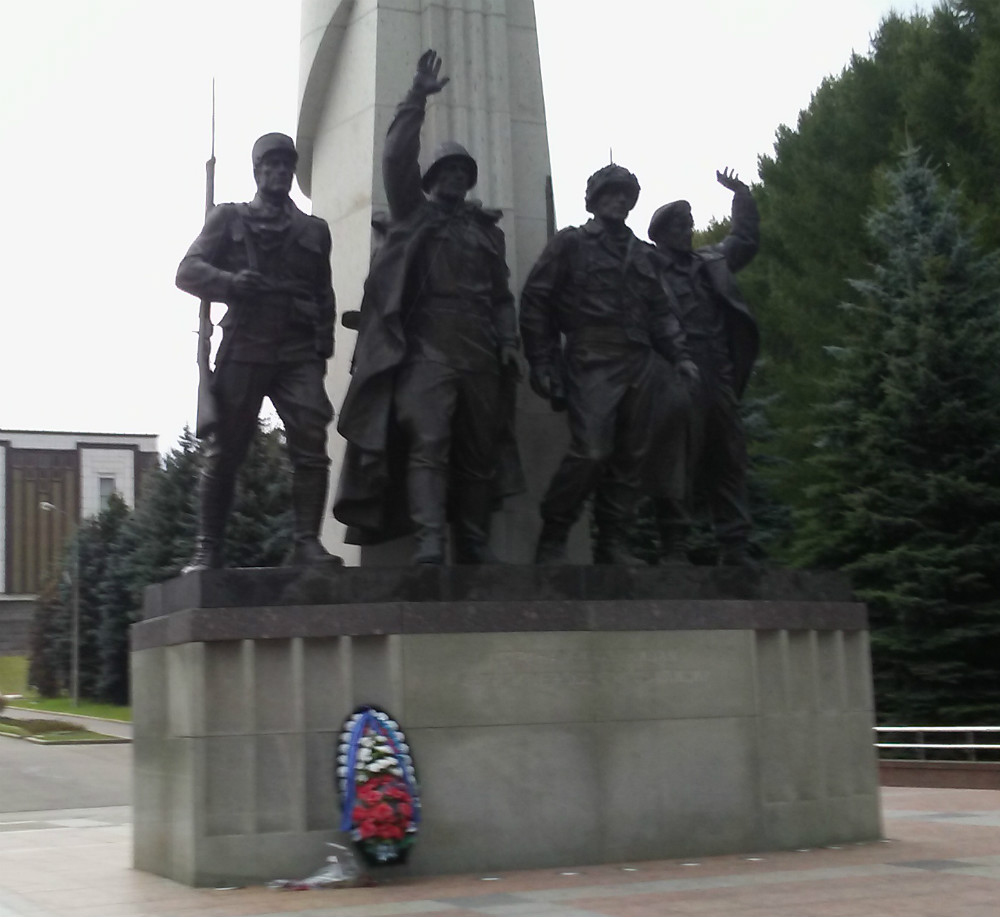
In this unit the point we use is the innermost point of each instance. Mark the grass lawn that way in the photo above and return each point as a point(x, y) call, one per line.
point(65, 705)
point(14, 680)
point(13, 674)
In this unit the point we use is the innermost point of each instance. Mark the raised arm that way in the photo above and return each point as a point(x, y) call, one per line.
point(743, 240)
point(401, 154)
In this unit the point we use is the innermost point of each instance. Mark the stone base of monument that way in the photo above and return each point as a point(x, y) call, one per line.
point(557, 716)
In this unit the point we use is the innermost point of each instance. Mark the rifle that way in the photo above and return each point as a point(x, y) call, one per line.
point(208, 413)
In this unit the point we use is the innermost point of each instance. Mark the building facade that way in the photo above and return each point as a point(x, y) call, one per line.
point(49, 482)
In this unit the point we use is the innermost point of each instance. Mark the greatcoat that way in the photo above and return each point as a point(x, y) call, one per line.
point(371, 495)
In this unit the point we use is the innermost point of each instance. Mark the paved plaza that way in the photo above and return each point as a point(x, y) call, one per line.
point(940, 856)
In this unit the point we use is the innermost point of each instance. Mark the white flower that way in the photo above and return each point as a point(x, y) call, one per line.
point(376, 766)
point(361, 777)
point(392, 724)
point(366, 741)
point(397, 771)
point(364, 754)
point(404, 747)
point(341, 771)
point(384, 749)
point(342, 759)
point(382, 716)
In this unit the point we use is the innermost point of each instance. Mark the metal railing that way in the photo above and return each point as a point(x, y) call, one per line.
point(969, 747)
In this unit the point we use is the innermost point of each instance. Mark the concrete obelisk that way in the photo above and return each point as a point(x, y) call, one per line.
point(357, 61)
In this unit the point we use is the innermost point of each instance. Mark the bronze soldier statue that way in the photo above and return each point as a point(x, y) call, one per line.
point(597, 286)
point(723, 341)
point(427, 415)
point(270, 264)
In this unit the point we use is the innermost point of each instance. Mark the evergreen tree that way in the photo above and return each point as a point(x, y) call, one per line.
point(909, 460)
point(933, 79)
point(123, 552)
point(49, 639)
point(260, 526)
point(95, 543)
point(158, 539)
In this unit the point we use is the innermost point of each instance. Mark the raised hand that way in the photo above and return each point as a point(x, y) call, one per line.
point(729, 179)
point(427, 79)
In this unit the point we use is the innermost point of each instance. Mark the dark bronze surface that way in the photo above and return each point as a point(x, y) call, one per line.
point(428, 414)
point(699, 445)
point(270, 264)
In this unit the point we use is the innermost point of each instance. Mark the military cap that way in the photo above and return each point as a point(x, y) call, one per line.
point(449, 150)
point(271, 143)
point(663, 215)
point(612, 176)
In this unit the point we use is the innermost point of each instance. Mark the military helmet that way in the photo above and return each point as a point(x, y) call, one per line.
point(271, 143)
point(610, 177)
point(449, 150)
point(664, 214)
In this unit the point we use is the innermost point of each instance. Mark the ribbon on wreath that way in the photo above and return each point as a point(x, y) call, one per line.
point(383, 726)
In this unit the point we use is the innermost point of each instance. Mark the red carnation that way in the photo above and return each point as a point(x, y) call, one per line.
point(382, 812)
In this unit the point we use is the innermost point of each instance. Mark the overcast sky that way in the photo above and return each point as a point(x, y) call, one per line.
point(104, 131)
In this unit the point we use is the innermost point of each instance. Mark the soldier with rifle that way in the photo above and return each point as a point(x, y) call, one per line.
point(270, 264)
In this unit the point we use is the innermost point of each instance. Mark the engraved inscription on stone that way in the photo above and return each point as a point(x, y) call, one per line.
point(582, 677)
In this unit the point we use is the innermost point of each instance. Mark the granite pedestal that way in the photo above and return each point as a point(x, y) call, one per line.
point(557, 716)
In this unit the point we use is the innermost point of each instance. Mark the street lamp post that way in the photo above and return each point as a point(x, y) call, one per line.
point(74, 664)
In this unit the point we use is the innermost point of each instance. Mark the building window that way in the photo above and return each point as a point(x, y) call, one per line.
point(107, 488)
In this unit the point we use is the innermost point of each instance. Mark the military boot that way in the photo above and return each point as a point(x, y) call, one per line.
point(308, 502)
point(674, 527)
point(215, 494)
point(611, 548)
point(471, 529)
point(551, 548)
point(428, 492)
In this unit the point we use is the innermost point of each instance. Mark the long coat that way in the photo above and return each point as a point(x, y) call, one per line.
point(371, 494)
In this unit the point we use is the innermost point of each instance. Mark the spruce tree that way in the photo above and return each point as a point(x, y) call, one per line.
point(260, 526)
point(932, 78)
point(49, 639)
point(157, 540)
point(96, 541)
point(909, 457)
